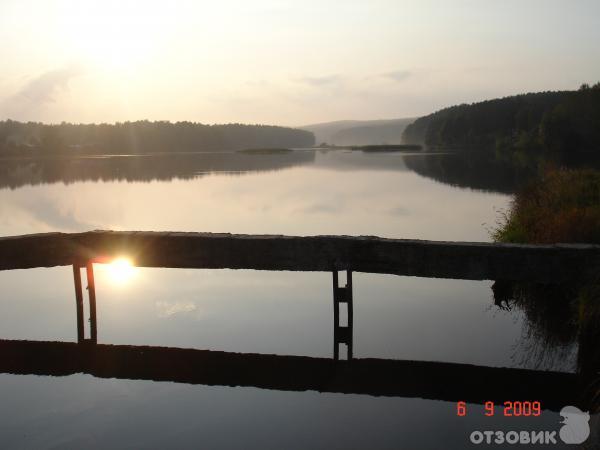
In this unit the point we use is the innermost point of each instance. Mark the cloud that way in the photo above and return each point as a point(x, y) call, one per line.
point(44, 88)
point(25, 104)
point(329, 80)
point(322, 208)
point(166, 309)
point(399, 211)
point(44, 210)
point(398, 75)
point(261, 83)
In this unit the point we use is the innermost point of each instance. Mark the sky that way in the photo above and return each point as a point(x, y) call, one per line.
point(284, 62)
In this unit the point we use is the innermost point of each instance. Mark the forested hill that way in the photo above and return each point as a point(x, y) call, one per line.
point(564, 122)
point(144, 137)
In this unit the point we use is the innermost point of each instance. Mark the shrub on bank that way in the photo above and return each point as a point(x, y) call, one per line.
point(562, 206)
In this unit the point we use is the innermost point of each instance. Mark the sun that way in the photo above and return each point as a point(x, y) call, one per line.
point(121, 270)
point(111, 35)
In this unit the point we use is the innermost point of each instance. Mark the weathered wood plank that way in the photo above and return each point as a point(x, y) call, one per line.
point(462, 260)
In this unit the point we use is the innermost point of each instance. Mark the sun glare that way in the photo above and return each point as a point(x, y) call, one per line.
point(113, 36)
point(121, 270)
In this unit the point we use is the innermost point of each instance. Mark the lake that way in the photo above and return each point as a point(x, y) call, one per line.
point(306, 192)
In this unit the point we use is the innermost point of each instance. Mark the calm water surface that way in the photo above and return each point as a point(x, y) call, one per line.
point(304, 193)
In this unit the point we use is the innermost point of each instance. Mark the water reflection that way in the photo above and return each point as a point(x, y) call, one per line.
point(334, 192)
point(404, 319)
point(379, 377)
point(559, 319)
point(119, 271)
point(17, 172)
point(456, 169)
point(545, 307)
point(470, 170)
point(375, 377)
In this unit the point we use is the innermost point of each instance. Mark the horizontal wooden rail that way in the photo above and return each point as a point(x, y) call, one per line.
point(377, 377)
point(461, 260)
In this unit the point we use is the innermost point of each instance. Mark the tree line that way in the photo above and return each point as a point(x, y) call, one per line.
point(144, 137)
point(563, 124)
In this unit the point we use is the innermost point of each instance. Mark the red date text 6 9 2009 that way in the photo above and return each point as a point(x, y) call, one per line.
point(509, 409)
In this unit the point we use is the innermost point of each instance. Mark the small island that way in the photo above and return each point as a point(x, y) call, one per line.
point(265, 151)
point(388, 148)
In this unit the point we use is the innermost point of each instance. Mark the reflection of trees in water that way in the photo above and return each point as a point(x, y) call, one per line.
point(466, 169)
point(17, 172)
point(546, 307)
point(589, 319)
point(480, 170)
point(550, 336)
point(562, 325)
point(532, 351)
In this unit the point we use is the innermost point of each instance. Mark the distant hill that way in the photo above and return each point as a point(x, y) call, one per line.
point(144, 137)
point(563, 124)
point(359, 132)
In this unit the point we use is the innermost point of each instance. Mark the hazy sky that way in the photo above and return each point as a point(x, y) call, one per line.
point(284, 61)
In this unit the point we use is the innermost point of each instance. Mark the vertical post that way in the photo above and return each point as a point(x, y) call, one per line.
point(336, 317)
point(342, 334)
point(349, 299)
point(92, 298)
point(78, 302)
point(91, 288)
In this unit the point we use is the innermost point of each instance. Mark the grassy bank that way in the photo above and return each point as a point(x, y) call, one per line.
point(562, 206)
